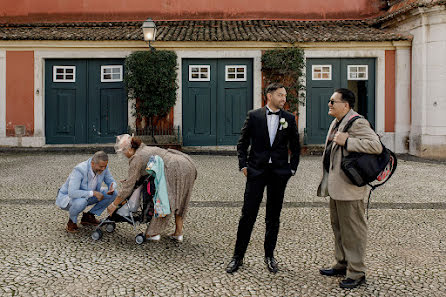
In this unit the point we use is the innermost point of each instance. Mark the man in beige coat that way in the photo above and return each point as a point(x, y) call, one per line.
point(346, 200)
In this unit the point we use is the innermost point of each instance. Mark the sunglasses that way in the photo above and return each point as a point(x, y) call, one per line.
point(332, 102)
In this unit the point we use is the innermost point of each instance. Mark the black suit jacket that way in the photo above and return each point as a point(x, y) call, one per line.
point(255, 134)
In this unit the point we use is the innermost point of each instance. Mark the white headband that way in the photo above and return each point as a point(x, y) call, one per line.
point(123, 143)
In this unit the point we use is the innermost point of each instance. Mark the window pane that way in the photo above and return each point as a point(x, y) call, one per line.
point(231, 75)
point(194, 69)
point(59, 70)
point(240, 69)
point(59, 76)
point(240, 75)
point(325, 75)
point(353, 75)
point(69, 76)
point(204, 75)
point(194, 75)
point(68, 70)
point(317, 70)
point(107, 70)
point(204, 70)
point(362, 69)
point(107, 76)
point(116, 70)
point(361, 75)
point(116, 76)
point(326, 69)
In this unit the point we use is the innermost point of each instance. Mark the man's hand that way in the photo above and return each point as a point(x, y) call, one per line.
point(98, 195)
point(340, 138)
point(110, 190)
point(111, 208)
point(245, 171)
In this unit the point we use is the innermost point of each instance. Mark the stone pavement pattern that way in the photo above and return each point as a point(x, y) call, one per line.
point(406, 253)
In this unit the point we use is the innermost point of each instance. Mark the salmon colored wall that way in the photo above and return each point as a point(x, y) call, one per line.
point(19, 91)
point(390, 91)
point(115, 10)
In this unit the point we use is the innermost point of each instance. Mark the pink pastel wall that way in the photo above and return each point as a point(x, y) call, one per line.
point(124, 10)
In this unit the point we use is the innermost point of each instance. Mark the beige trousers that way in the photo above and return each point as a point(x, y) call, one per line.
point(350, 232)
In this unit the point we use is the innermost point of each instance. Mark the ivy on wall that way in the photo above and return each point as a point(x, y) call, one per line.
point(150, 78)
point(286, 66)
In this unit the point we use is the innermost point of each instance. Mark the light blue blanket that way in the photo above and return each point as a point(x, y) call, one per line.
point(155, 167)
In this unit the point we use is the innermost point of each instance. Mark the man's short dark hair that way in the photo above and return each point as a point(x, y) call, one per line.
point(272, 87)
point(347, 96)
point(99, 156)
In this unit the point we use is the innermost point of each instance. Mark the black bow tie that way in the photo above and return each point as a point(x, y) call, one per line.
point(276, 113)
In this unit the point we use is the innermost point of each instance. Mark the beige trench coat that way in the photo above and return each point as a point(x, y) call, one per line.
point(361, 139)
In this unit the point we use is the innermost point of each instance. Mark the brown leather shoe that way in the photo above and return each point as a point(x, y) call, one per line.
point(89, 219)
point(72, 227)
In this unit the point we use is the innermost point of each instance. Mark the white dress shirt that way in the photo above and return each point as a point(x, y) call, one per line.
point(272, 121)
point(92, 181)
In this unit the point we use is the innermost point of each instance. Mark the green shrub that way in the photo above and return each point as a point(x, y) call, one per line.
point(150, 78)
point(286, 66)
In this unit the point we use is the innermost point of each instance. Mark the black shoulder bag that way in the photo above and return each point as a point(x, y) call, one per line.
point(362, 168)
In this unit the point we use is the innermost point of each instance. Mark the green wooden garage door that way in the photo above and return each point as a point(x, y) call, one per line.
point(217, 94)
point(323, 76)
point(85, 101)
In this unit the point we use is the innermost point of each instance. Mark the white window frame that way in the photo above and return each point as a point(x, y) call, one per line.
point(208, 67)
point(56, 80)
point(357, 72)
point(236, 67)
point(105, 80)
point(321, 66)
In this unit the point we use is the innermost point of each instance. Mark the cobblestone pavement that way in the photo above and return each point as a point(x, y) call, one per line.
point(406, 252)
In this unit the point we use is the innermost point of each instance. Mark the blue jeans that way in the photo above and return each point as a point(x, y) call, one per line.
point(78, 205)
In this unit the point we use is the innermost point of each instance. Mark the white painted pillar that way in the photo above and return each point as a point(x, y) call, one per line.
point(402, 99)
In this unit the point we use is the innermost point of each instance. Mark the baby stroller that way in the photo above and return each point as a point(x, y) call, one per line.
point(131, 210)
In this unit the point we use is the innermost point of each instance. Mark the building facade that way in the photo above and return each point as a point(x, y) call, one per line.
point(61, 67)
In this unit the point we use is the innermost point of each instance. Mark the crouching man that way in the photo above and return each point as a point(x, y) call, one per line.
point(83, 188)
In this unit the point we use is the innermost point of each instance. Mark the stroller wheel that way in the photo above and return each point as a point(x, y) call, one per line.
point(97, 234)
point(110, 227)
point(140, 238)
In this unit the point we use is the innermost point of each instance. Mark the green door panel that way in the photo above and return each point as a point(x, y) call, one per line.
point(199, 105)
point(86, 110)
point(65, 119)
point(65, 105)
point(202, 108)
point(214, 111)
point(107, 102)
point(320, 91)
point(318, 94)
point(234, 101)
point(365, 89)
point(113, 118)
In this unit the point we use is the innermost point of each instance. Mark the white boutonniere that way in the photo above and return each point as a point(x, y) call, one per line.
point(283, 124)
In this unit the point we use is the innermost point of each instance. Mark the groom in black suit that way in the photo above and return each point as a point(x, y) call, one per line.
point(272, 133)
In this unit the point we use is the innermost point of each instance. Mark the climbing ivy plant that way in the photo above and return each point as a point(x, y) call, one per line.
point(150, 78)
point(286, 66)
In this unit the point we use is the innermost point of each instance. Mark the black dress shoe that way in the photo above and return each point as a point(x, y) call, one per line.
point(349, 283)
point(234, 265)
point(271, 263)
point(332, 272)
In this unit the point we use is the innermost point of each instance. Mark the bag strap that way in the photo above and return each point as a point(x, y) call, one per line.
point(347, 126)
point(350, 122)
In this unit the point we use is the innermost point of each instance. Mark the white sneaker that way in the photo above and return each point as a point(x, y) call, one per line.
point(178, 238)
point(154, 238)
